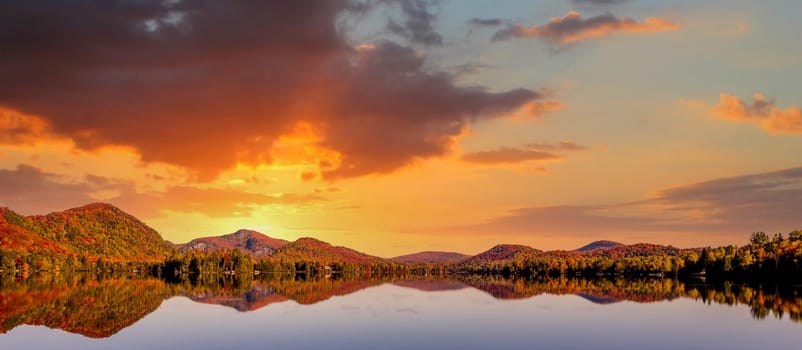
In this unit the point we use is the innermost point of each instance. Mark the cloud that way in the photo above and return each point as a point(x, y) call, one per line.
point(470, 68)
point(573, 28)
point(508, 155)
point(418, 25)
point(599, 2)
point(559, 146)
point(761, 111)
point(18, 128)
point(308, 176)
point(530, 152)
point(726, 207)
point(485, 22)
point(29, 190)
point(209, 85)
point(211, 202)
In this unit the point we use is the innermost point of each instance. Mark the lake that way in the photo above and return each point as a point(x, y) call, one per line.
point(460, 312)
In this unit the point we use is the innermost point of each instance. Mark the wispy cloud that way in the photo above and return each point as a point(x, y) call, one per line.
point(573, 28)
point(527, 153)
point(729, 207)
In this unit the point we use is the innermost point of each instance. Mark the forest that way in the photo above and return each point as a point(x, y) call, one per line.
point(764, 258)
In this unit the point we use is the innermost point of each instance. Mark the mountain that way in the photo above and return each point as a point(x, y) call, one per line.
point(640, 249)
point(255, 243)
point(430, 257)
point(503, 252)
point(313, 250)
point(599, 245)
point(92, 231)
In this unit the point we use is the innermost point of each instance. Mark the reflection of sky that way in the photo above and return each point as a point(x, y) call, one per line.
point(393, 317)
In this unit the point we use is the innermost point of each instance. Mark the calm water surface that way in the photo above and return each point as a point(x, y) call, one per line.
point(473, 313)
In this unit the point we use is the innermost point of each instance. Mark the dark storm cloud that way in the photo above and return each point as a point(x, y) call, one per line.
point(207, 84)
point(418, 23)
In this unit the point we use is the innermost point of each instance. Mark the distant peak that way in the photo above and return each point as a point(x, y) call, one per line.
point(243, 232)
point(310, 240)
point(96, 206)
point(601, 244)
point(498, 247)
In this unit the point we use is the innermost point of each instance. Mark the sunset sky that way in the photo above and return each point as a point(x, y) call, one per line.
point(395, 126)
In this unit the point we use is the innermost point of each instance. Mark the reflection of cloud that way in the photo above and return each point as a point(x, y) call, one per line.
point(350, 308)
point(731, 206)
point(573, 28)
point(407, 310)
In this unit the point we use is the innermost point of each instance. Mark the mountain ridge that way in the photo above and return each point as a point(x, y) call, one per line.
point(600, 244)
point(101, 230)
point(253, 242)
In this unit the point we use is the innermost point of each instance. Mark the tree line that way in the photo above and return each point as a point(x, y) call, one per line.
point(765, 257)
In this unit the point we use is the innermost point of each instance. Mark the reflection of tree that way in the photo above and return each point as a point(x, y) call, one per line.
point(91, 307)
point(640, 290)
point(762, 302)
point(100, 306)
point(247, 292)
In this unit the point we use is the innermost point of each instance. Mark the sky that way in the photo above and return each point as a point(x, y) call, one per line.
point(396, 126)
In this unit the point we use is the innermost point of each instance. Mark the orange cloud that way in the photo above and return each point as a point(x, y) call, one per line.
point(508, 155)
point(761, 111)
point(18, 128)
point(24, 188)
point(574, 28)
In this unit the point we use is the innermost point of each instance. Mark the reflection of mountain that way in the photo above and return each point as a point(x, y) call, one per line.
point(598, 289)
point(430, 257)
point(315, 291)
point(246, 294)
point(99, 308)
point(93, 308)
point(257, 297)
point(596, 299)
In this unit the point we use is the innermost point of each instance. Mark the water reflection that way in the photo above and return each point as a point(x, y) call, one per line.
point(101, 306)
